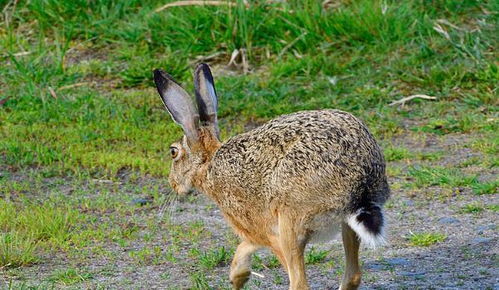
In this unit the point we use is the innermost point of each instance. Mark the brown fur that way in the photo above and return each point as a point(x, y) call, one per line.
point(305, 164)
point(298, 178)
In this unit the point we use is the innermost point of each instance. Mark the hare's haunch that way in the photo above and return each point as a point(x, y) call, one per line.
point(299, 178)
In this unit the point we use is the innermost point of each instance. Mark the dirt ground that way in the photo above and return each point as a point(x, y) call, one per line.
point(466, 259)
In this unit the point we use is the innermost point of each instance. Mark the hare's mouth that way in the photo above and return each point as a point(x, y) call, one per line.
point(181, 189)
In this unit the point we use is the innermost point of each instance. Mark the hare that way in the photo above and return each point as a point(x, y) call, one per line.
point(296, 179)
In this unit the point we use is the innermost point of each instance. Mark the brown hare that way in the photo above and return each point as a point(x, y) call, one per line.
point(298, 178)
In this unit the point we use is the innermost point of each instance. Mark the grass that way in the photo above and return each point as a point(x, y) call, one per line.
point(314, 256)
point(199, 281)
point(67, 132)
point(28, 228)
point(474, 208)
point(147, 256)
point(69, 276)
point(401, 153)
point(17, 250)
point(396, 153)
point(26, 286)
point(486, 187)
point(425, 239)
point(427, 176)
point(488, 145)
point(83, 133)
point(214, 258)
point(493, 207)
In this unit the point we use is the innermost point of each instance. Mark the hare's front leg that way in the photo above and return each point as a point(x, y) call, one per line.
point(352, 276)
point(241, 263)
point(292, 242)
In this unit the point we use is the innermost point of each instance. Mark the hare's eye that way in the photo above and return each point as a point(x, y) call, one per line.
point(174, 152)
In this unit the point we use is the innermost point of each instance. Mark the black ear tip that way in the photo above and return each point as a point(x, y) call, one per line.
point(203, 65)
point(157, 72)
point(205, 68)
point(160, 76)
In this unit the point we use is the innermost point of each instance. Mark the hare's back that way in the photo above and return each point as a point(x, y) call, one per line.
point(303, 154)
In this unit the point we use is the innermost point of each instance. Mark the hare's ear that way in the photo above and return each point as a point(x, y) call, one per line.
point(178, 103)
point(206, 96)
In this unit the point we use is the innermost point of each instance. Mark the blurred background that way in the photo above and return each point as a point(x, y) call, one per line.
point(84, 138)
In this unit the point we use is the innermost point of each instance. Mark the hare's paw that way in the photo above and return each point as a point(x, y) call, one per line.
point(239, 278)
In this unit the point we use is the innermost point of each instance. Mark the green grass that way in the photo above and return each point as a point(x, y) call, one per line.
point(476, 208)
point(11, 285)
point(425, 176)
point(486, 187)
point(425, 239)
point(473, 208)
point(199, 281)
point(30, 228)
point(314, 256)
point(396, 153)
point(17, 250)
point(98, 122)
point(83, 132)
point(212, 258)
point(69, 276)
point(430, 156)
point(488, 145)
point(493, 207)
point(147, 256)
point(402, 153)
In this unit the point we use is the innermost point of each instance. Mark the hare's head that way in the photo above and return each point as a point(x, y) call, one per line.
point(199, 124)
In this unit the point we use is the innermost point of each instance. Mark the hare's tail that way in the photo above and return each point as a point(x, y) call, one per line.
point(369, 223)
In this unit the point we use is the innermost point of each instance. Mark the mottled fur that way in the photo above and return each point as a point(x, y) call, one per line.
point(298, 178)
point(314, 162)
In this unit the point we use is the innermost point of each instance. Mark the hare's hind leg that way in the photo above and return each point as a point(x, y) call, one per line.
point(241, 263)
point(352, 276)
point(291, 247)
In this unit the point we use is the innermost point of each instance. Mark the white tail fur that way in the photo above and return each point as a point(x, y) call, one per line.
point(368, 237)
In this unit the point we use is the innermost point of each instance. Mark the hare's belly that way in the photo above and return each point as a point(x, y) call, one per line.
point(325, 227)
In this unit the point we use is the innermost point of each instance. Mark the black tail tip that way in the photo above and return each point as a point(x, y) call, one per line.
point(372, 219)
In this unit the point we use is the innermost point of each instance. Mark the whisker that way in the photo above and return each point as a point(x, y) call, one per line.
point(162, 207)
point(172, 208)
point(165, 204)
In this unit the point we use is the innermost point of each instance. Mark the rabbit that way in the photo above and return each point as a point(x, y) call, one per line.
point(299, 178)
